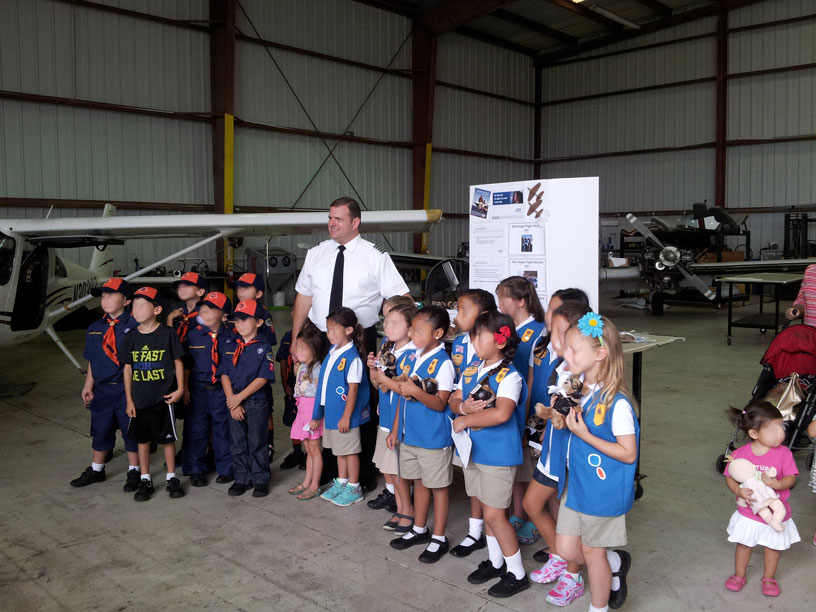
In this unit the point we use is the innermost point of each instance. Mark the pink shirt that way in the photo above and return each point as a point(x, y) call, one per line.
point(807, 295)
point(779, 457)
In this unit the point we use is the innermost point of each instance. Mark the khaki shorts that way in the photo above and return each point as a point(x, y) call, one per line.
point(386, 459)
point(490, 484)
point(524, 473)
point(595, 531)
point(457, 461)
point(432, 466)
point(342, 444)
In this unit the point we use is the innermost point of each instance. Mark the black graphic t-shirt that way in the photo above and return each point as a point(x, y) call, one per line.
point(152, 358)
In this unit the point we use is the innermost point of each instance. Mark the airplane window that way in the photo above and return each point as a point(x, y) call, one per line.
point(59, 269)
point(6, 258)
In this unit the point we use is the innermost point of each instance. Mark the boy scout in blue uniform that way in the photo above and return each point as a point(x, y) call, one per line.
point(207, 403)
point(190, 288)
point(246, 364)
point(104, 391)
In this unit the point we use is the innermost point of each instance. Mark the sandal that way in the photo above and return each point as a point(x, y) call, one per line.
point(391, 524)
point(735, 583)
point(297, 490)
point(403, 529)
point(308, 494)
point(770, 588)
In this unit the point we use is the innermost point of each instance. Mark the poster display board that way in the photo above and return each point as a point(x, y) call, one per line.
point(543, 230)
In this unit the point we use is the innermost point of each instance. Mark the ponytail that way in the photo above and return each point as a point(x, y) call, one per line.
point(519, 288)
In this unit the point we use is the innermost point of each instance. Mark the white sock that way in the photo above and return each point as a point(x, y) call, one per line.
point(354, 485)
point(576, 577)
point(475, 528)
point(594, 609)
point(420, 530)
point(147, 477)
point(97, 467)
point(411, 535)
point(342, 481)
point(554, 557)
point(134, 467)
point(614, 563)
point(436, 542)
point(170, 475)
point(389, 487)
point(494, 552)
point(515, 566)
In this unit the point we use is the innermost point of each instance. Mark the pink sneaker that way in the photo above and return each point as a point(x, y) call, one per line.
point(550, 571)
point(566, 591)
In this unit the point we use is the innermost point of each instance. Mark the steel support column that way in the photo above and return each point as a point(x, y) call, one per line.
point(537, 122)
point(222, 94)
point(423, 80)
point(721, 136)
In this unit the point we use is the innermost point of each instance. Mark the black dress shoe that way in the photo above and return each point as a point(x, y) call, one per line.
point(261, 490)
point(292, 460)
point(486, 572)
point(509, 585)
point(382, 501)
point(224, 479)
point(617, 598)
point(89, 476)
point(403, 543)
point(542, 556)
point(238, 488)
point(463, 550)
point(198, 480)
point(432, 557)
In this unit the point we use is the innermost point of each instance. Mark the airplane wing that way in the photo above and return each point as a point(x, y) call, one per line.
point(62, 232)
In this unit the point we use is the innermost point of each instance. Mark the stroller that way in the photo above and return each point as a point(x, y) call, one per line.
point(793, 350)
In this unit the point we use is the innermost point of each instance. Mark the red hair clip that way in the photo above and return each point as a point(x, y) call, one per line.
point(502, 335)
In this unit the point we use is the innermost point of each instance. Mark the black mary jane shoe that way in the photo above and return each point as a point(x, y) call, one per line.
point(432, 557)
point(404, 543)
point(463, 551)
point(509, 585)
point(486, 572)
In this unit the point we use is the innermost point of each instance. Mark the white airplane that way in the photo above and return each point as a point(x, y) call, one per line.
point(37, 288)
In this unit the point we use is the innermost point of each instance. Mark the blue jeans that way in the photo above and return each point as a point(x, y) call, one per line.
point(208, 408)
point(250, 450)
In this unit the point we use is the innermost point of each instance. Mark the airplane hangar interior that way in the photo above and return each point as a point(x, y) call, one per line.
point(408, 305)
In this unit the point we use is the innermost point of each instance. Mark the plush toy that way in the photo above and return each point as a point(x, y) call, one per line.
point(766, 501)
point(386, 360)
point(429, 385)
point(569, 393)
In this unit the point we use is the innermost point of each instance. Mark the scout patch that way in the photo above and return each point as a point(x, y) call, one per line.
point(432, 367)
point(527, 335)
point(600, 414)
point(457, 359)
point(502, 373)
point(406, 370)
point(458, 349)
point(342, 365)
point(471, 370)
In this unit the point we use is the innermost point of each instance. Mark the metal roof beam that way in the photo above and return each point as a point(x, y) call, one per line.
point(658, 7)
point(456, 13)
point(586, 13)
point(652, 26)
point(496, 41)
point(534, 26)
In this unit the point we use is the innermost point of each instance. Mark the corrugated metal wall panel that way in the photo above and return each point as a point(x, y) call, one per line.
point(55, 49)
point(344, 28)
point(332, 94)
point(48, 151)
point(772, 105)
point(465, 61)
point(478, 123)
point(652, 119)
point(680, 62)
point(772, 47)
point(770, 10)
point(177, 9)
point(664, 181)
point(771, 175)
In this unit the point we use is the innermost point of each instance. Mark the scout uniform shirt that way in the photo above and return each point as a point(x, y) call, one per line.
point(103, 368)
point(255, 360)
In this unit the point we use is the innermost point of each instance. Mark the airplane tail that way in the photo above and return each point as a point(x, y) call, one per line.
point(102, 261)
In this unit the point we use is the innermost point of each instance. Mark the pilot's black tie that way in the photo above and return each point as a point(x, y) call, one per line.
point(336, 297)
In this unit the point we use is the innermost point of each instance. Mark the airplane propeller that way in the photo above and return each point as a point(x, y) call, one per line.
point(670, 257)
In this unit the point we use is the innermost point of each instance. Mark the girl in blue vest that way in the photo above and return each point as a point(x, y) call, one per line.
point(601, 456)
point(497, 447)
point(470, 305)
point(423, 428)
point(549, 476)
point(397, 328)
point(518, 298)
point(344, 403)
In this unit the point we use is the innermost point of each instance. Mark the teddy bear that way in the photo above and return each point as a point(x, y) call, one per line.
point(569, 393)
point(766, 502)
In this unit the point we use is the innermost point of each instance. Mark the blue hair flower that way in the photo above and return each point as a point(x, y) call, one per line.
point(591, 325)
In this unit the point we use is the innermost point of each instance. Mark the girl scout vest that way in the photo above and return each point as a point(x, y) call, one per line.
point(598, 484)
point(459, 355)
point(543, 370)
point(336, 393)
point(528, 334)
point(500, 444)
point(419, 425)
point(389, 399)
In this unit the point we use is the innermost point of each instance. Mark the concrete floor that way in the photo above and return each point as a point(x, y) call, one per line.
point(95, 548)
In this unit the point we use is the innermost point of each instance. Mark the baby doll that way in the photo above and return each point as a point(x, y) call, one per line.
point(766, 501)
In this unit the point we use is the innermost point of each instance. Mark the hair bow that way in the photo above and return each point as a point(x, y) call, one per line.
point(502, 335)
